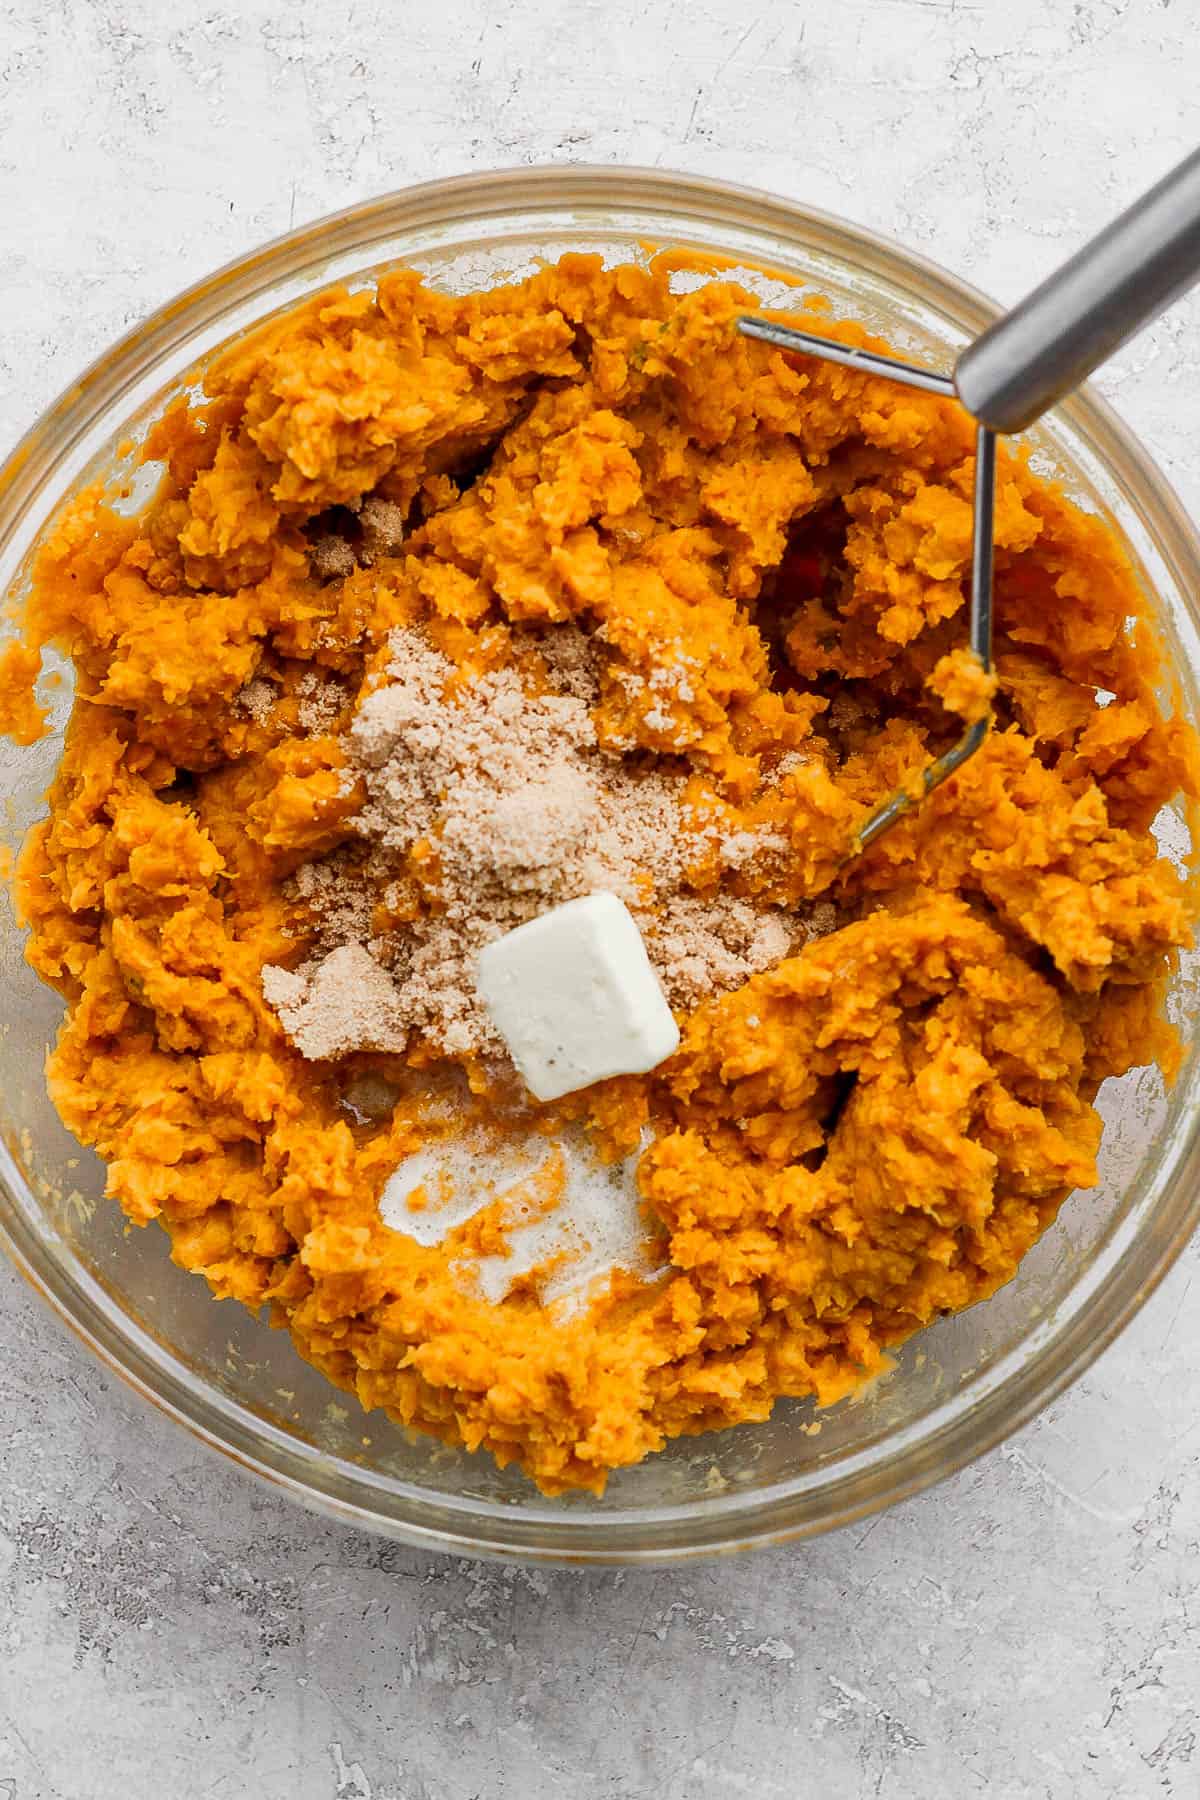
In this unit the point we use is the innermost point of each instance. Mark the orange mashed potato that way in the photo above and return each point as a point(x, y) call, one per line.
point(863, 1138)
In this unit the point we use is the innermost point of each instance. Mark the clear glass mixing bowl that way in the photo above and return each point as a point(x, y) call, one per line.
point(959, 1387)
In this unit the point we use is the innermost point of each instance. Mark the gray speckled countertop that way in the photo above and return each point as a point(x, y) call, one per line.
point(169, 1629)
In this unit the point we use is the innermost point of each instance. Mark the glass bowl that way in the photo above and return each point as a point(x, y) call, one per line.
point(959, 1387)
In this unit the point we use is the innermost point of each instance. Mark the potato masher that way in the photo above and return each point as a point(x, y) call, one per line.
point(1023, 364)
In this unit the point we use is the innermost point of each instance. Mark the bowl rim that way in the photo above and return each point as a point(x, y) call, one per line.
point(1018, 1386)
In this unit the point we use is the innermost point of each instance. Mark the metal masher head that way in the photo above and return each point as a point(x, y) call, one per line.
point(1019, 367)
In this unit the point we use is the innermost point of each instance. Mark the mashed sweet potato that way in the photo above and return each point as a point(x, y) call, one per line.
point(864, 1137)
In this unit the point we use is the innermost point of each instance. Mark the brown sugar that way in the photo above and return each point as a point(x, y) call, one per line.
point(523, 810)
point(322, 699)
point(346, 1003)
point(331, 558)
point(382, 524)
point(258, 699)
point(375, 528)
point(701, 946)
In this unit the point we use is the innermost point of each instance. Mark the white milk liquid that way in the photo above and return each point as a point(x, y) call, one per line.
point(596, 1228)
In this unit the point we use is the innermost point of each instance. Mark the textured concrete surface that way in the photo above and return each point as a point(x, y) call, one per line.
point(168, 1629)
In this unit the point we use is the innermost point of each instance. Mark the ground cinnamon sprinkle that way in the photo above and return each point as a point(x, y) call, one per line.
point(523, 809)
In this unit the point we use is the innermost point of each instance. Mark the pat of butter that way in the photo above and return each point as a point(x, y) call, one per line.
point(574, 997)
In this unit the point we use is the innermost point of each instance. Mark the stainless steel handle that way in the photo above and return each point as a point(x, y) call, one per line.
point(1067, 327)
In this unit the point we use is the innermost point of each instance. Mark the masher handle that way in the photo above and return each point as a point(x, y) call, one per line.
point(1067, 327)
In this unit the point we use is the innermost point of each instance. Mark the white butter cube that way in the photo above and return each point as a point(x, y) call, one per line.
point(574, 997)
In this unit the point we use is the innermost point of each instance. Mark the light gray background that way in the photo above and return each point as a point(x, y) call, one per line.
point(168, 1630)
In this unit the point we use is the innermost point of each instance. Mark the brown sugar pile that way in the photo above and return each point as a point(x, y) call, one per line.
point(488, 800)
